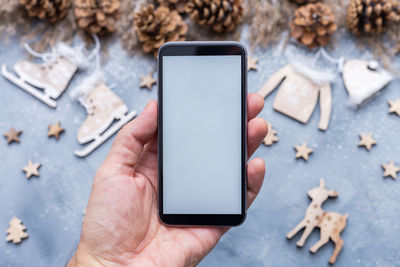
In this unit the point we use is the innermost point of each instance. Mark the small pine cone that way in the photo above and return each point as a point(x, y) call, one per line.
point(97, 16)
point(51, 10)
point(218, 15)
point(178, 5)
point(155, 27)
point(313, 24)
point(303, 2)
point(371, 16)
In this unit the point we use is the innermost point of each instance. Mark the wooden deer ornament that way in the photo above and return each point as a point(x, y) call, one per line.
point(331, 224)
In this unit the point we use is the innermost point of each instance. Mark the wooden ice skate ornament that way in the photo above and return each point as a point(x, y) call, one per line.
point(252, 63)
point(31, 169)
point(107, 113)
point(16, 231)
point(390, 170)
point(271, 137)
point(55, 130)
point(303, 151)
point(148, 81)
point(48, 80)
point(363, 80)
point(298, 93)
point(367, 141)
point(12, 136)
point(331, 224)
point(394, 107)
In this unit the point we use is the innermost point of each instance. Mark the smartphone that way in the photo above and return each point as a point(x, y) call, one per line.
point(202, 128)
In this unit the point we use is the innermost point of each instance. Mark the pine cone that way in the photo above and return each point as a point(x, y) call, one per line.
point(97, 16)
point(218, 15)
point(51, 10)
point(313, 24)
point(302, 2)
point(157, 26)
point(371, 16)
point(178, 5)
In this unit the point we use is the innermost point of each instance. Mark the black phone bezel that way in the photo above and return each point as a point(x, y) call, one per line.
point(203, 49)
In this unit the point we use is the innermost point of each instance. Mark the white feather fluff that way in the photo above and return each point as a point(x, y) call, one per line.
point(319, 77)
point(75, 55)
point(86, 86)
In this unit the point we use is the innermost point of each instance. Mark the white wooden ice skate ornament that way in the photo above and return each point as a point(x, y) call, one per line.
point(331, 224)
point(298, 94)
point(16, 231)
point(362, 79)
point(106, 112)
point(47, 80)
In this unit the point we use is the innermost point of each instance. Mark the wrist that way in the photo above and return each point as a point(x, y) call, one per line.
point(82, 257)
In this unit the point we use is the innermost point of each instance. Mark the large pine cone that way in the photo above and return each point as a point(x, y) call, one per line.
point(371, 16)
point(97, 16)
point(218, 15)
point(154, 27)
point(302, 2)
point(51, 10)
point(313, 24)
point(178, 5)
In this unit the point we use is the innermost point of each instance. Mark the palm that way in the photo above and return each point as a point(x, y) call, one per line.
point(121, 225)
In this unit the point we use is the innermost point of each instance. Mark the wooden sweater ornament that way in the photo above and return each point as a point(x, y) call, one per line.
point(331, 224)
point(299, 91)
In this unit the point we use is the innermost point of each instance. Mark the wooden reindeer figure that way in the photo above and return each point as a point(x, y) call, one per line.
point(331, 224)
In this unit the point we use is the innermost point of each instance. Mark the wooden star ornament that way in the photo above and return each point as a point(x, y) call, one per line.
point(303, 151)
point(31, 169)
point(252, 63)
point(55, 130)
point(16, 231)
point(271, 137)
point(12, 135)
point(147, 81)
point(394, 107)
point(390, 170)
point(367, 141)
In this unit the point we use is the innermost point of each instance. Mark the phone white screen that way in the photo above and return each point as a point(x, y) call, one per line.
point(202, 134)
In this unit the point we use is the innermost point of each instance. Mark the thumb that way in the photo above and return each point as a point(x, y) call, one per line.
point(130, 141)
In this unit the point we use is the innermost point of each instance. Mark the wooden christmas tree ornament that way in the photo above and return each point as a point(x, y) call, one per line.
point(390, 170)
point(55, 130)
point(303, 151)
point(31, 169)
point(16, 231)
point(367, 141)
point(147, 81)
point(271, 137)
point(394, 107)
point(12, 135)
point(298, 93)
point(331, 224)
point(252, 63)
point(363, 80)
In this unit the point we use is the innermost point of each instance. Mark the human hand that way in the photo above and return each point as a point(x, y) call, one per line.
point(121, 225)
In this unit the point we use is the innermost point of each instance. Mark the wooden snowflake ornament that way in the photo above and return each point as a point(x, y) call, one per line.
point(390, 170)
point(271, 137)
point(148, 81)
point(303, 151)
point(367, 141)
point(331, 224)
point(12, 135)
point(16, 231)
point(31, 169)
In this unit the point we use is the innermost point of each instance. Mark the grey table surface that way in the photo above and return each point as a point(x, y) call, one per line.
point(52, 205)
